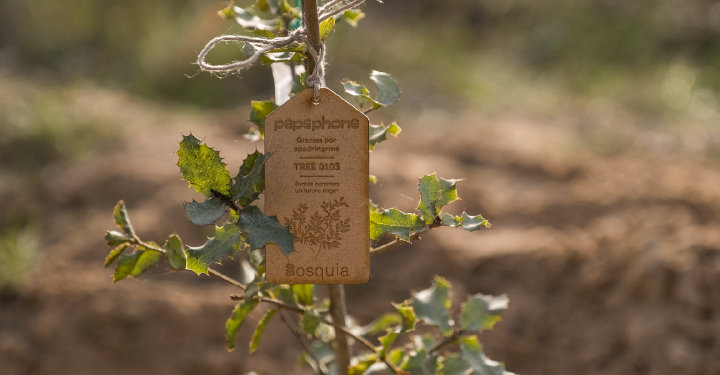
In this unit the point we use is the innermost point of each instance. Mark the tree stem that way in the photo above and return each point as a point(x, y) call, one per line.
point(338, 310)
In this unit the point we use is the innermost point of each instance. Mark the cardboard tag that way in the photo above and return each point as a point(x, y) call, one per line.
point(316, 183)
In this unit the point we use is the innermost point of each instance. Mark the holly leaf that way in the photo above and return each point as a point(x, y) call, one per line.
point(310, 322)
point(326, 28)
point(205, 213)
point(250, 21)
point(115, 238)
point(471, 352)
point(361, 94)
point(382, 324)
point(260, 230)
point(240, 312)
point(434, 194)
point(395, 222)
point(386, 341)
point(388, 90)
point(202, 167)
point(352, 16)
point(250, 180)
point(454, 365)
point(481, 312)
point(115, 253)
point(303, 293)
point(465, 221)
point(122, 219)
point(378, 133)
point(223, 243)
point(409, 319)
point(432, 305)
point(259, 109)
point(175, 253)
point(260, 329)
point(136, 263)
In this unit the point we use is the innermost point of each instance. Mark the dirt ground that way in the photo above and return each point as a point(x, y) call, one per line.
point(612, 264)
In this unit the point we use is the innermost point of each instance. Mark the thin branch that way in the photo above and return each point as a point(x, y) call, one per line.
point(338, 312)
point(211, 271)
point(448, 340)
point(398, 241)
point(306, 348)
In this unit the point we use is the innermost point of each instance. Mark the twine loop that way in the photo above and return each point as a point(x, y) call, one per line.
point(261, 46)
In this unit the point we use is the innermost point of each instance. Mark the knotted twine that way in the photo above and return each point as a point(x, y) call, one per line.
point(265, 45)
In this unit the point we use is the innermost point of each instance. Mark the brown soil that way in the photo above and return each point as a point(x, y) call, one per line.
point(612, 265)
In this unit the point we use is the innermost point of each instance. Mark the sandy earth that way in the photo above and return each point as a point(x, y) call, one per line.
point(612, 265)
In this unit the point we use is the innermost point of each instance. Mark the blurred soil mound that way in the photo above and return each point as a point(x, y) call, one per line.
point(611, 264)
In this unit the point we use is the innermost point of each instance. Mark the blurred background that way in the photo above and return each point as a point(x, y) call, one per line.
point(586, 131)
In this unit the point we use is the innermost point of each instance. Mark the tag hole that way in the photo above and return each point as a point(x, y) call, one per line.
point(315, 100)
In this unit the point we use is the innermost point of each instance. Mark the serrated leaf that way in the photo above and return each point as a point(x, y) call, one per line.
point(454, 365)
point(250, 180)
point(303, 293)
point(259, 109)
point(135, 264)
point(223, 243)
point(232, 325)
point(362, 364)
point(326, 28)
point(481, 312)
point(432, 305)
point(115, 253)
point(175, 253)
point(260, 230)
point(395, 222)
point(352, 16)
point(204, 213)
point(310, 322)
point(202, 167)
point(247, 19)
point(434, 194)
point(115, 238)
point(378, 133)
point(361, 94)
point(386, 341)
point(409, 319)
point(388, 90)
point(471, 352)
point(122, 219)
point(465, 221)
point(260, 329)
point(382, 324)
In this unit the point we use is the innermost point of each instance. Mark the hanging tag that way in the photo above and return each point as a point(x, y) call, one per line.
point(316, 183)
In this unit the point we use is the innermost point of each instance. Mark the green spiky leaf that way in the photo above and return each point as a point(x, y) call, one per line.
point(261, 229)
point(395, 222)
point(303, 293)
point(388, 90)
point(223, 243)
point(122, 219)
point(432, 305)
point(205, 213)
point(352, 16)
point(310, 322)
point(481, 312)
point(434, 194)
point(136, 263)
point(326, 28)
point(202, 167)
point(115, 238)
point(378, 133)
point(260, 329)
point(386, 341)
point(361, 94)
point(471, 351)
point(115, 253)
point(240, 312)
point(382, 323)
point(259, 109)
point(454, 365)
point(409, 319)
point(465, 221)
point(250, 180)
point(175, 253)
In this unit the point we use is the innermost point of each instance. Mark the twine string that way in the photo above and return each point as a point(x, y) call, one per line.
point(262, 46)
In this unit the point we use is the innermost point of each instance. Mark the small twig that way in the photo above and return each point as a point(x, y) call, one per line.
point(225, 199)
point(306, 348)
point(399, 241)
point(338, 312)
point(448, 340)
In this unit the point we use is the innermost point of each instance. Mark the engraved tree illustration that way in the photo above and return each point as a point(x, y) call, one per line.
point(323, 229)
